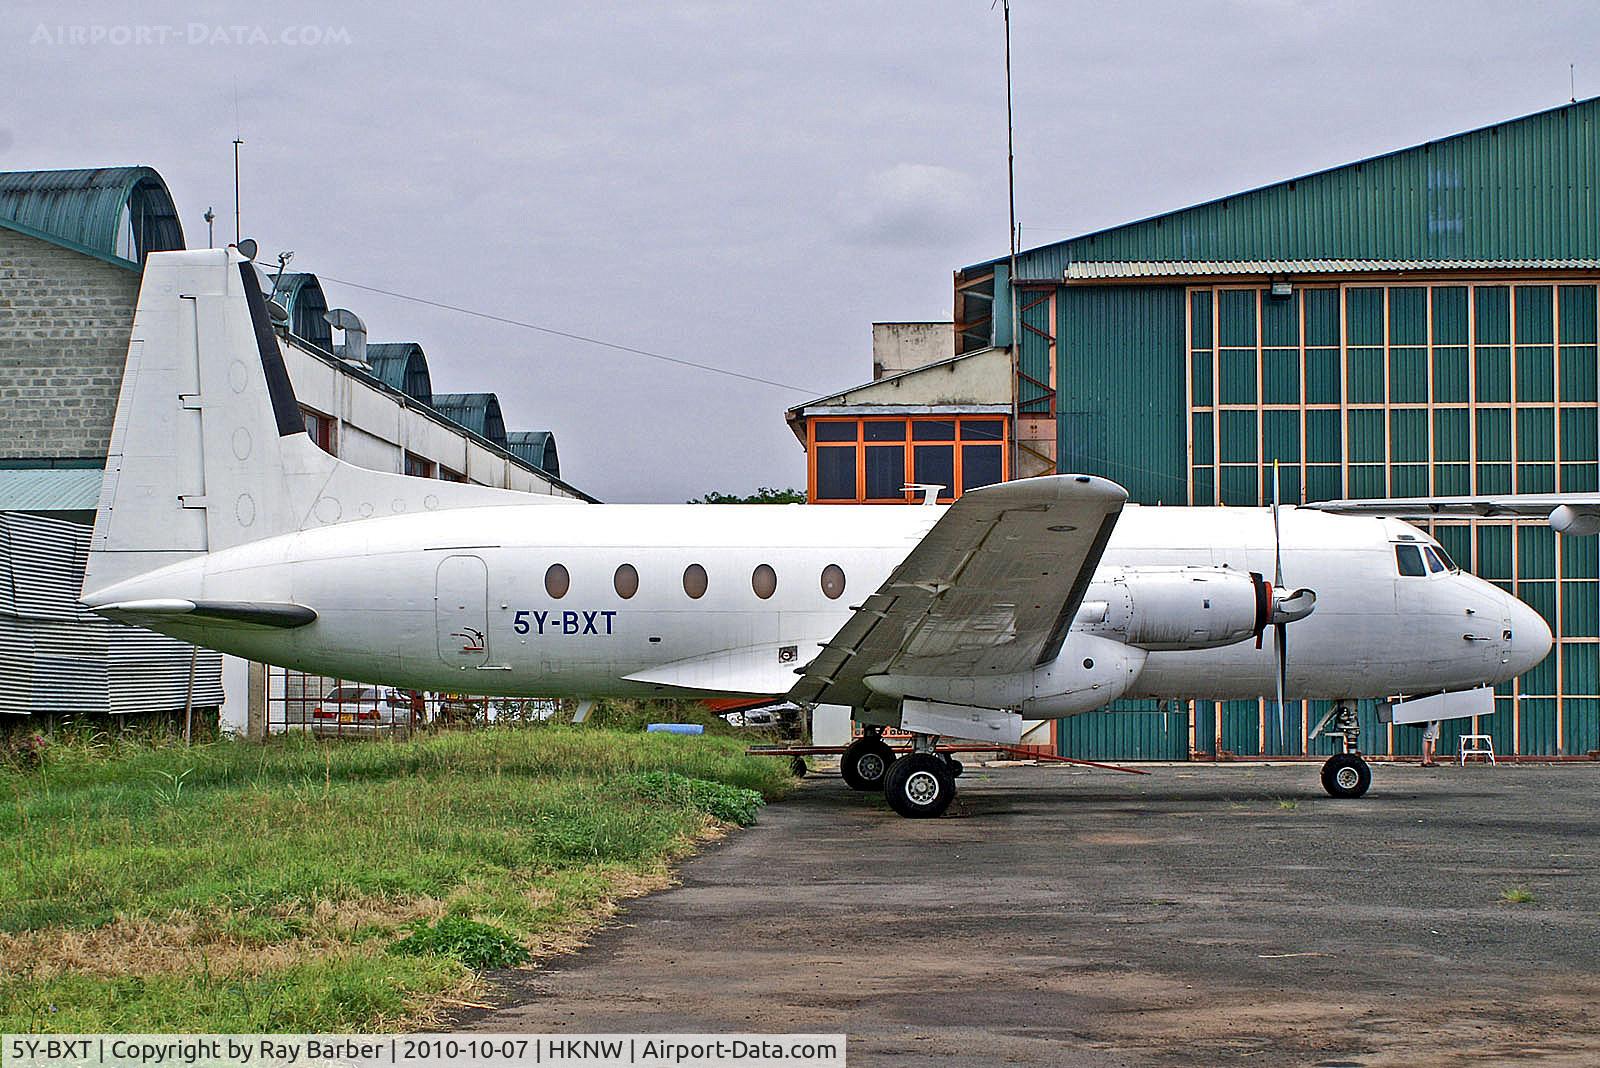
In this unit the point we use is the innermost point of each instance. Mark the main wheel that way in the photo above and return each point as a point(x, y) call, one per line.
point(1346, 775)
point(919, 786)
point(865, 762)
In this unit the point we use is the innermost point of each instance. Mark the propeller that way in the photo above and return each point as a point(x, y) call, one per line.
point(1281, 608)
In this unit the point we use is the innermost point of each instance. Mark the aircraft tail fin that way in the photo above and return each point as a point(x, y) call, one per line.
point(209, 449)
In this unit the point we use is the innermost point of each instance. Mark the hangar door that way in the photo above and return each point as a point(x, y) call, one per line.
point(461, 611)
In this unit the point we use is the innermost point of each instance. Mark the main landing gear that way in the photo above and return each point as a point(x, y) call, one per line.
point(919, 785)
point(866, 761)
point(1346, 774)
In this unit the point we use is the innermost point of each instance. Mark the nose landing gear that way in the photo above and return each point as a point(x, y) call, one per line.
point(1346, 774)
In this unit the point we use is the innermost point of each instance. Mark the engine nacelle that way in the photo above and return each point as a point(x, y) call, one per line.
point(1574, 522)
point(1175, 608)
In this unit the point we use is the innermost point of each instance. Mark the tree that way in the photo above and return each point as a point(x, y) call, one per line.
point(763, 495)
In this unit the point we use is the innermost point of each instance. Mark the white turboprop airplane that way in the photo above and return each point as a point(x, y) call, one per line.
point(220, 522)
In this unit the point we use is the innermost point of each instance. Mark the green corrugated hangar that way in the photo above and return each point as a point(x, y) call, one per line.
point(1418, 323)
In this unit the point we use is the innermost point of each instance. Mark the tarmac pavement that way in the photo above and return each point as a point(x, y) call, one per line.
point(1201, 914)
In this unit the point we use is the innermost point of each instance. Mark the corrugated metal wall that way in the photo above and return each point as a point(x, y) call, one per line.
point(1121, 387)
point(1435, 386)
point(58, 659)
point(1523, 189)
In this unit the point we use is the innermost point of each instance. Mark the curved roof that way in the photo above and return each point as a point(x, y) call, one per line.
point(478, 412)
point(301, 295)
point(117, 213)
point(538, 447)
point(401, 365)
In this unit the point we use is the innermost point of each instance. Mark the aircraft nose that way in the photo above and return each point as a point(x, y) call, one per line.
point(1530, 635)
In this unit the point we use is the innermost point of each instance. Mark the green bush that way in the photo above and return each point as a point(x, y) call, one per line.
point(731, 804)
point(475, 944)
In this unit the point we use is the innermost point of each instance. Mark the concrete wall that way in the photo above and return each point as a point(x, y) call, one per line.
point(64, 324)
point(378, 427)
point(898, 347)
point(982, 377)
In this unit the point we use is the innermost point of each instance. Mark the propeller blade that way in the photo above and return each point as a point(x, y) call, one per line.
point(1280, 632)
point(1277, 534)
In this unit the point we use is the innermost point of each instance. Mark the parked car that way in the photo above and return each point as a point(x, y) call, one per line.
point(352, 709)
point(778, 715)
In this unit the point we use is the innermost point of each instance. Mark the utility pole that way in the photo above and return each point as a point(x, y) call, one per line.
point(1011, 277)
point(237, 233)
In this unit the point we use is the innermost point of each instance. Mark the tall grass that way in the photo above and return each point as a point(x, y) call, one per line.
point(231, 886)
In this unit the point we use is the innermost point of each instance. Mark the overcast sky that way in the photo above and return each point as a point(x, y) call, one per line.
point(744, 185)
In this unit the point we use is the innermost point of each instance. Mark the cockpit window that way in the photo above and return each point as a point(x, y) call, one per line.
point(1444, 558)
point(1434, 564)
point(1409, 557)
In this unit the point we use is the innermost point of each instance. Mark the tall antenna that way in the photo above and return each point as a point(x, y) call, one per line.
point(1572, 82)
point(237, 141)
point(236, 231)
point(211, 229)
point(1011, 277)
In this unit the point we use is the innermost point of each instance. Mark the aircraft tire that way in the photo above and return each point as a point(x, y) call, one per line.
point(1346, 775)
point(919, 786)
point(865, 763)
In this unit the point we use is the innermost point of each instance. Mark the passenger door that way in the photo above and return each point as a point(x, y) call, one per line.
point(461, 611)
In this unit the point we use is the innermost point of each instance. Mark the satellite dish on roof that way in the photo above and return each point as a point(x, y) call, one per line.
point(279, 313)
point(247, 248)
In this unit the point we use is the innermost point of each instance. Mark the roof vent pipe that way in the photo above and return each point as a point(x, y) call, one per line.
point(355, 334)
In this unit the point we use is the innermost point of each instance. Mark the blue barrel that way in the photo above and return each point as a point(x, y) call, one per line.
point(675, 728)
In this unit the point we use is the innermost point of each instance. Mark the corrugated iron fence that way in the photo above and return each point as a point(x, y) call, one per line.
point(57, 659)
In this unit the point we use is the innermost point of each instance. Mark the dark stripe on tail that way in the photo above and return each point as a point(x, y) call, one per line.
point(285, 409)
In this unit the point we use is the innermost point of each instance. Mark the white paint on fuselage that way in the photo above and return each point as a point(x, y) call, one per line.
point(373, 585)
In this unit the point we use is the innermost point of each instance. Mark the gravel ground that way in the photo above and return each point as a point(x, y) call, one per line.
point(1060, 916)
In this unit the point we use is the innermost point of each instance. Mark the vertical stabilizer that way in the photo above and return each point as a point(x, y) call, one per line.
point(209, 449)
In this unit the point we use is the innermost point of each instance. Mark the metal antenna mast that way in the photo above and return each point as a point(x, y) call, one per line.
point(1011, 277)
point(236, 232)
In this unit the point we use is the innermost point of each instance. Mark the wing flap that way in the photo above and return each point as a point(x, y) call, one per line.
point(1538, 505)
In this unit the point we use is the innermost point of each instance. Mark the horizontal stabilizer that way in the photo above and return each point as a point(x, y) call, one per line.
point(270, 614)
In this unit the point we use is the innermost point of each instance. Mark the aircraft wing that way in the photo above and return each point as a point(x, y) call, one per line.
point(990, 590)
point(1539, 505)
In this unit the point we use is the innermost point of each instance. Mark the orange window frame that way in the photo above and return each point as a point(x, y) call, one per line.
point(859, 444)
point(323, 430)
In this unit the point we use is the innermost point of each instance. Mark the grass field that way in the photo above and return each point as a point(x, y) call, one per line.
point(325, 887)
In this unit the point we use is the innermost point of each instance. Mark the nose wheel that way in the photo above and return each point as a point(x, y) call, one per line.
point(1346, 774)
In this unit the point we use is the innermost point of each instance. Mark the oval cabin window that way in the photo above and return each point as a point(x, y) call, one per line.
point(764, 581)
point(694, 581)
point(626, 580)
point(833, 581)
point(557, 582)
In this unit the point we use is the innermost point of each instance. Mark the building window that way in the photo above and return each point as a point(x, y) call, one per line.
point(1429, 387)
point(417, 467)
point(320, 428)
point(448, 475)
point(873, 459)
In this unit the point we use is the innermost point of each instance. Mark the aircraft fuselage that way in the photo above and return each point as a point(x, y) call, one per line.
point(464, 600)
